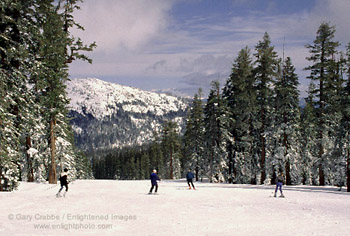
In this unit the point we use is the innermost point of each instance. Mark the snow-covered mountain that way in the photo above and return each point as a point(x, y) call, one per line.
point(108, 115)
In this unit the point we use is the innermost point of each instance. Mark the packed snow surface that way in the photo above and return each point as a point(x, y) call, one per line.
point(110, 207)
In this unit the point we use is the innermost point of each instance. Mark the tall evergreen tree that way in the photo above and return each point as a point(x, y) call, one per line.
point(172, 149)
point(58, 48)
point(286, 124)
point(342, 160)
point(346, 119)
point(194, 136)
point(16, 62)
point(157, 156)
point(215, 134)
point(308, 140)
point(52, 81)
point(240, 96)
point(322, 56)
point(265, 71)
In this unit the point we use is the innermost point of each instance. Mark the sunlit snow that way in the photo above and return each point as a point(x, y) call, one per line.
point(110, 207)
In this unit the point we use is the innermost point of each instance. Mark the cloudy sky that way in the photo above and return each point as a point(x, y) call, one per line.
point(182, 45)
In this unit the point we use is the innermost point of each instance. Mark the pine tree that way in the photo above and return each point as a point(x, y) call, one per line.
point(286, 124)
point(240, 96)
point(323, 53)
point(83, 166)
point(308, 140)
point(216, 135)
point(58, 48)
point(265, 72)
point(51, 83)
point(145, 166)
point(346, 119)
point(342, 155)
point(8, 68)
point(157, 156)
point(194, 136)
point(16, 34)
point(172, 149)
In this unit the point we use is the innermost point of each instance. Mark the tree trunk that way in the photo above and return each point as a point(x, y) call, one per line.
point(30, 174)
point(262, 162)
point(320, 166)
point(348, 171)
point(52, 171)
point(234, 169)
point(321, 175)
point(288, 177)
point(263, 148)
point(171, 164)
point(0, 166)
point(285, 144)
point(211, 167)
point(321, 117)
point(1, 188)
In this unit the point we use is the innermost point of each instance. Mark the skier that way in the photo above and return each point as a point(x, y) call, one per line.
point(280, 180)
point(189, 178)
point(64, 183)
point(154, 177)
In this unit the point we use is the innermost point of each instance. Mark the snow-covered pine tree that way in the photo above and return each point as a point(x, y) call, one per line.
point(171, 149)
point(145, 166)
point(285, 134)
point(265, 71)
point(240, 96)
point(322, 56)
point(51, 82)
point(157, 156)
point(335, 113)
point(215, 135)
point(56, 49)
point(17, 33)
point(341, 157)
point(83, 166)
point(308, 140)
point(193, 136)
point(346, 118)
point(8, 89)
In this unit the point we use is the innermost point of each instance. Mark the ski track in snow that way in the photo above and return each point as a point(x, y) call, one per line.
point(213, 209)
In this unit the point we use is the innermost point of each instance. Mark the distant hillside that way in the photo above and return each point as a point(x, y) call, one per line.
point(108, 115)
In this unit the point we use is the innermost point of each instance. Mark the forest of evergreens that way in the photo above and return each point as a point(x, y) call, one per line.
point(36, 47)
point(248, 130)
point(252, 128)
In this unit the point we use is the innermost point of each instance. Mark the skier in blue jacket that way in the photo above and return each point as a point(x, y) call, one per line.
point(190, 177)
point(279, 184)
point(154, 177)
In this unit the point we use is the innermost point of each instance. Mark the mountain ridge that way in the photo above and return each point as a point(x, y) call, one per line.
point(108, 115)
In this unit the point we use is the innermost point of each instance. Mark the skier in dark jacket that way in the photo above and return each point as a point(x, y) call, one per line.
point(279, 184)
point(64, 183)
point(154, 177)
point(190, 177)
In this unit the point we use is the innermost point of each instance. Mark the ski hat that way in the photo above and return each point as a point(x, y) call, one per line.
point(154, 171)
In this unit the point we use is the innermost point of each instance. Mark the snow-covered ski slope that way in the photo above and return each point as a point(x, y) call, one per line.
point(107, 207)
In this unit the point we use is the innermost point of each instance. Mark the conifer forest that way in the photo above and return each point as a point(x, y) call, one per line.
point(246, 131)
point(36, 140)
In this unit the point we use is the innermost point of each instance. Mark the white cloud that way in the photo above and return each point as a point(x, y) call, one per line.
point(120, 24)
point(337, 13)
